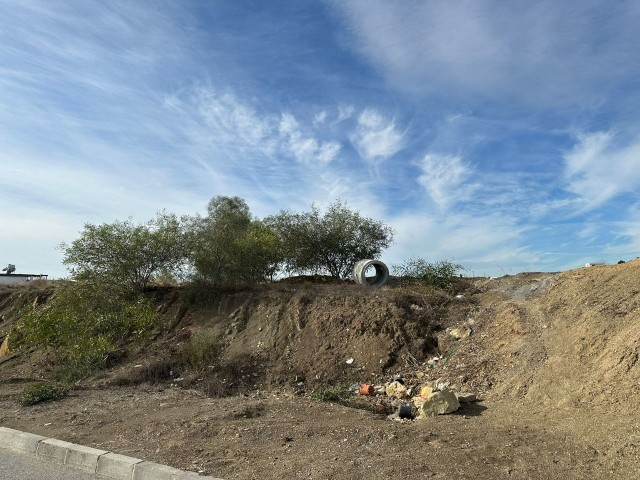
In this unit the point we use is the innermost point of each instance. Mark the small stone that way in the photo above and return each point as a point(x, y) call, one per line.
point(439, 403)
point(441, 384)
point(426, 391)
point(418, 401)
point(460, 333)
point(466, 397)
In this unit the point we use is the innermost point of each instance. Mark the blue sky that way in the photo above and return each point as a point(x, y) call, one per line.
point(502, 135)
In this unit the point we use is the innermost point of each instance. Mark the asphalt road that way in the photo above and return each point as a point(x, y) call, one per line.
point(22, 466)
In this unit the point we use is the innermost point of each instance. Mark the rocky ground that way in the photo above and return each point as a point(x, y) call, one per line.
point(552, 359)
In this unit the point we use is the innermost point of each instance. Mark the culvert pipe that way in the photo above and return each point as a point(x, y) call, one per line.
point(360, 270)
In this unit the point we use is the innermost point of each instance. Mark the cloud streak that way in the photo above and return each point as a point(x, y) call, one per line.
point(599, 168)
point(376, 138)
point(444, 177)
point(543, 52)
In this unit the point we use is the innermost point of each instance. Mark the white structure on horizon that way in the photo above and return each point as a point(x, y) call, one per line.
point(10, 278)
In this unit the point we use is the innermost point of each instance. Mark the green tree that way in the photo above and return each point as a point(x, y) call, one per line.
point(330, 243)
point(127, 254)
point(229, 247)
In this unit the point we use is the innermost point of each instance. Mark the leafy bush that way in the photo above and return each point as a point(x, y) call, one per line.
point(203, 350)
point(229, 247)
point(82, 324)
point(123, 253)
point(339, 393)
point(440, 274)
point(41, 392)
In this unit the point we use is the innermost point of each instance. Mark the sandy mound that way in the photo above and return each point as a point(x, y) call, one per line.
point(565, 339)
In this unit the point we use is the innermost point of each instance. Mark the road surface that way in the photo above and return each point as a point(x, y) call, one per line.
point(23, 466)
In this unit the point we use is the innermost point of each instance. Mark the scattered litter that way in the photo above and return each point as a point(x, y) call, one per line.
point(433, 362)
point(366, 389)
point(350, 361)
point(441, 384)
point(459, 296)
point(405, 411)
point(396, 389)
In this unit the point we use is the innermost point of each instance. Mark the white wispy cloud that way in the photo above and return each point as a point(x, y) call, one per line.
point(305, 148)
point(554, 53)
point(345, 112)
point(377, 138)
point(320, 117)
point(482, 243)
point(444, 176)
point(599, 168)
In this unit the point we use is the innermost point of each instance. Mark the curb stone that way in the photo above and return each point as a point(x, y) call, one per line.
point(108, 464)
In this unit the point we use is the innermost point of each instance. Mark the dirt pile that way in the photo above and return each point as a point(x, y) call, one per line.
point(565, 339)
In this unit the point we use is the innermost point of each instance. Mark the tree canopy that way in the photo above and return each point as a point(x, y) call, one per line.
point(127, 254)
point(227, 246)
point(230, 247)
point(331, 242)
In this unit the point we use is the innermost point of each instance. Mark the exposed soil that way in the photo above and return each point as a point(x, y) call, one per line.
point(552, 357)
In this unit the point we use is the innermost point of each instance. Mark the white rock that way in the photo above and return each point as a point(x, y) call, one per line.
point(439, 403)
point(459, 333)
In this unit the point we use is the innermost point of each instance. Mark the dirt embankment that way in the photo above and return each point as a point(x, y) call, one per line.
point(567, 339)
point(554, 358)
point(292, 335)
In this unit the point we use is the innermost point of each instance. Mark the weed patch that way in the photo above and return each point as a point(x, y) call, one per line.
point(82, 325)
point(202, 352)
point(41, 392)
point(342, 395)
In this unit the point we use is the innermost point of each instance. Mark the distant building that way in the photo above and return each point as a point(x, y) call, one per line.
point(11, 278)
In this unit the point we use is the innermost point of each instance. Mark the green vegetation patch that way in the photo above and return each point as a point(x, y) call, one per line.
point(82, 324)
point(441, 274)
point(41, 392)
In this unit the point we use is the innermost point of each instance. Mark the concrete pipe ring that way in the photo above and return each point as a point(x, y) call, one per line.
point(360, 269)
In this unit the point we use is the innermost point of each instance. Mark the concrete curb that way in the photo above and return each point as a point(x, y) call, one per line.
point(107, 464)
